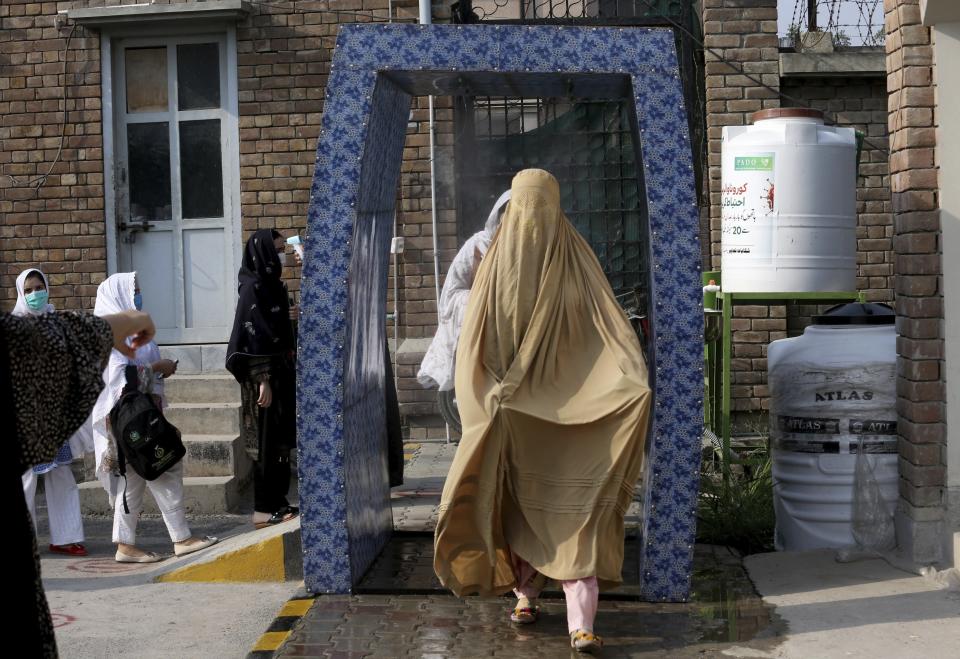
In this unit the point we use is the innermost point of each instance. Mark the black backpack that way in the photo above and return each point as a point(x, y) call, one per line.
point(145, 439)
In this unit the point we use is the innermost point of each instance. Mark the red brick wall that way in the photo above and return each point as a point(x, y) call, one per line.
point(55, 221)
point(283, 61)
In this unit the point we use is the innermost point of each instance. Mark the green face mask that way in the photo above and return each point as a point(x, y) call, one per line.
point(36, 300)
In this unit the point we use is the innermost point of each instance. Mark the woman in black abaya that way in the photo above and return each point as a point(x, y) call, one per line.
point(261, 357)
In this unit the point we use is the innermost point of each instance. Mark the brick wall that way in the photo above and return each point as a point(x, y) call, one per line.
point(418, 297)
point(417, 290)
point(743, 32)
point(56, 220)
point(920, 382)
point(859, 103)
point(283, 60)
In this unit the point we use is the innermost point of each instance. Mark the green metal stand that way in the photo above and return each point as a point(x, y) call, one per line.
point(718, 350)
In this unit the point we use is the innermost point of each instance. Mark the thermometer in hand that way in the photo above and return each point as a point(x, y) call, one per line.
point(297, 245)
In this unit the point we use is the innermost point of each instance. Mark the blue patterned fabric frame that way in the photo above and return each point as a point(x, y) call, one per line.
point(344, 491)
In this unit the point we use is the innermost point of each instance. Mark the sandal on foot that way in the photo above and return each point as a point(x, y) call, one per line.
point(586, 642)
point(525, 615)
point(73, 549)
point(285, 514)
point(147, 557)
point(205, 541)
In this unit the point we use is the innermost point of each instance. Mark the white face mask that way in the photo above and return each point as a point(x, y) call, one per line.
point(283, 258)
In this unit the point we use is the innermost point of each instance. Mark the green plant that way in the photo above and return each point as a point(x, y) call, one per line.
point(841, 38)
point(736, 500)
point(793, 32)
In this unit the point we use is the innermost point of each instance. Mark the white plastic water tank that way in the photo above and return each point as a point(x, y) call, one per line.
point(788, 204)
point(833, 394)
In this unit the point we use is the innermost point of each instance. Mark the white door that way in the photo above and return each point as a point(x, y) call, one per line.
point(174, 181)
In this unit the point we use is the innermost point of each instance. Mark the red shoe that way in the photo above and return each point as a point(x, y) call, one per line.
point(73, 549)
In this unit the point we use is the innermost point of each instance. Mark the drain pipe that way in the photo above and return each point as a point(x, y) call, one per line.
point(395, 252)
point(426, 18)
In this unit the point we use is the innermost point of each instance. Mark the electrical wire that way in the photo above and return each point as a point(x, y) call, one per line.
point(38, 182)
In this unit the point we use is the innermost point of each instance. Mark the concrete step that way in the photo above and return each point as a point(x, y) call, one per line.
point(271, 554)
point(194, 359)
point(216, 455)
point(204, 388)
point(205, 418)
point(202, 495)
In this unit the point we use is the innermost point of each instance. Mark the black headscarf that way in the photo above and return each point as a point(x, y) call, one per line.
point(261, 327)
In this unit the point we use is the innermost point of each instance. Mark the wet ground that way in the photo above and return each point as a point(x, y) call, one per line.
point(401, 611)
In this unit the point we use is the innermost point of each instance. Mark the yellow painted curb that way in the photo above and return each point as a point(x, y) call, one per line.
point(260, 562)
point(279, 630)
point(295, 608)
point(270, 641)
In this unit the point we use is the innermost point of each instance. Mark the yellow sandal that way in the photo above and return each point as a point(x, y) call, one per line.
point(586, 642)
point(525, 615)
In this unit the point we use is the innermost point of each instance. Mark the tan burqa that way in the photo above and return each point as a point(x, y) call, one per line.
point(552, 390)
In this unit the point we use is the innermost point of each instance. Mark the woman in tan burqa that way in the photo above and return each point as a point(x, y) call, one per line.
point(552, 389)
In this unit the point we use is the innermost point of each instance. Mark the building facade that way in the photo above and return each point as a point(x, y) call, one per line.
point(157, 137)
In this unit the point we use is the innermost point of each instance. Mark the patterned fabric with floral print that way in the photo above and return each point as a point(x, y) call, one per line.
point(51, 370)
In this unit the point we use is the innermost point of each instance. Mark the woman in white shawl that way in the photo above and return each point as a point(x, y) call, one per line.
point(438, 364)
point(60, 486)
point(118, 293)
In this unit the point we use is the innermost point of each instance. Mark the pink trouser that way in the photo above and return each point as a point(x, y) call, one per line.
point(581, 595)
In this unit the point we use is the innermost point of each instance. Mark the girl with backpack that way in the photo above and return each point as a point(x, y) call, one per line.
point(115, 294)
point(60, 486)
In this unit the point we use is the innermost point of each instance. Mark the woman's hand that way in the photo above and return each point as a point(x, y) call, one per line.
point(135, 325)
point(266, 394)
point(165, 367)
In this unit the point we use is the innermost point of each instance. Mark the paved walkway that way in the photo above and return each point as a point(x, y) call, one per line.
point(815, 608)
point(725, 618)
point(102, 608)
point(823, 610)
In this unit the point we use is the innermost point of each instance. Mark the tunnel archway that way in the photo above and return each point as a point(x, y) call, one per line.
point(376, 70)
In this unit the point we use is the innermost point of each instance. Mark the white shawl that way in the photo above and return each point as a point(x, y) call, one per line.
point(437, 368)
point(115, 294)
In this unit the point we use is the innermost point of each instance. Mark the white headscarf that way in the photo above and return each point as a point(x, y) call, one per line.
point(21, 308)
point(437, 368)
point(115, 294)
point(81, 441)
